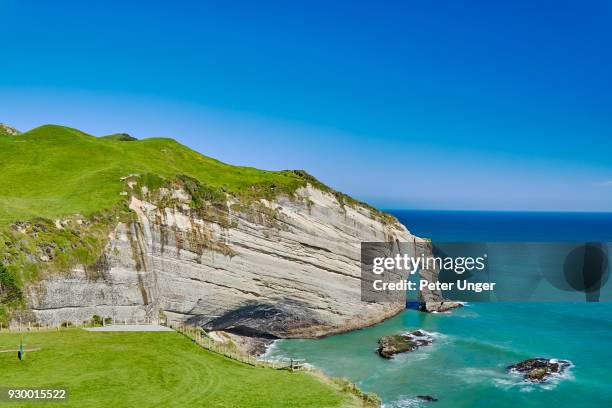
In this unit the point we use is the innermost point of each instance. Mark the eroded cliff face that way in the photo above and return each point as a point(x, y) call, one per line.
point(283, 268)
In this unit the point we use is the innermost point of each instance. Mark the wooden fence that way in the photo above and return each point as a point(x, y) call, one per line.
point(196, 334)
point(29, 326)
point(199, 337)
point(19, 326)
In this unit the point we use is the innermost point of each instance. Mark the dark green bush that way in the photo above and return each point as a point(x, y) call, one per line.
point(9, 288)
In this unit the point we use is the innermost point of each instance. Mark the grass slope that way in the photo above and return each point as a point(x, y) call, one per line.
point(53, 171)
point(152, 369)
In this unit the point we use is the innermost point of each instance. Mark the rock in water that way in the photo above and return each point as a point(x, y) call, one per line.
point(388, 346)
point(439, 306)
point(427, 398)
point(539, 369)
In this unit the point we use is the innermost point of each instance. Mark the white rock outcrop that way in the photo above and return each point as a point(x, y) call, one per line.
point(7, 130)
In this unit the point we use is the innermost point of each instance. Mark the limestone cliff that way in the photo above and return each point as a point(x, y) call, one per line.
point(289, 267)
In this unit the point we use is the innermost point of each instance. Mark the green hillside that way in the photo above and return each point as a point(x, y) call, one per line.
point(52, 171)
point(153, 369)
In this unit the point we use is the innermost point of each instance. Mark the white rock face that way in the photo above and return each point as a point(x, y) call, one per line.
point(299, 259)
point(7, 130)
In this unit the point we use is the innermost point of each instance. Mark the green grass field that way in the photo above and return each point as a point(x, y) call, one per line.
point(53, 171)
point(152, 369)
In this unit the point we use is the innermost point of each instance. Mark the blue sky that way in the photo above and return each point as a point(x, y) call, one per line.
point(414, 104)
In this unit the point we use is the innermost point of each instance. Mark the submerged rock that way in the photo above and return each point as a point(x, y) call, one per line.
point(427, 398)
point(388, 346)
point(439, 307)
point(539, 369)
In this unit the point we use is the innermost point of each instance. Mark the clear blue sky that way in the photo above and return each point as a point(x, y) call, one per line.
point(415, 104)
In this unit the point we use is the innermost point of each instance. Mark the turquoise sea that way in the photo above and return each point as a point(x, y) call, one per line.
point(466, 365)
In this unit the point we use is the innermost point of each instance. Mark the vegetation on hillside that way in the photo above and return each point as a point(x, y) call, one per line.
point(53, 171)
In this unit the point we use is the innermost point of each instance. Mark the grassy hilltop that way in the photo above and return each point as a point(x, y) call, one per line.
point(53, 171)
